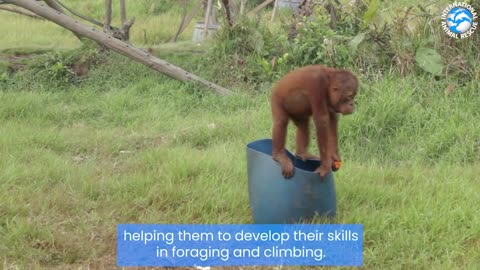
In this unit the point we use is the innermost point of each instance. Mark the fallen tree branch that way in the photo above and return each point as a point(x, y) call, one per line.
point(117, 45)
point(53, 4)
point(21, 12)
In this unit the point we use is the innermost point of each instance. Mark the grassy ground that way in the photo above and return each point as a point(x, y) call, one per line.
point(82, 159)
point(77, 159)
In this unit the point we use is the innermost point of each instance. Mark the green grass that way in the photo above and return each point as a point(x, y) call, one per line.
point(81, 159)
point(148, 30)
point(127, 145)
point(46, 35)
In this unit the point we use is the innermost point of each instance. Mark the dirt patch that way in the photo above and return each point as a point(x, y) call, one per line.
point(17, 61)
point(80, 68)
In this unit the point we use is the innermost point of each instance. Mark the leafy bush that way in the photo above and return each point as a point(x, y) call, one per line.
point(55, 68)
point(61, 68)
point(247, 52)
point(409, 40)
point(317, 44)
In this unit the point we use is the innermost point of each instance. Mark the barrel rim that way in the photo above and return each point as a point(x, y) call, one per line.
point(288, 153)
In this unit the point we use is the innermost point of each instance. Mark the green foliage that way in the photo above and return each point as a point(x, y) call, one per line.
point(346, 42)
point(61, 68)
point(54, 68)
point(4, 67)
point(371, 13)
point(3, 77)
point(429, 60)
point(276, 69)
point(243, 39)
point(319, 44)
point(249, 52)
point(353, 44)
point(405, 42)
point(4, 72)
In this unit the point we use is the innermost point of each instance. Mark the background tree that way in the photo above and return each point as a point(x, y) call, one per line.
point(110, 41)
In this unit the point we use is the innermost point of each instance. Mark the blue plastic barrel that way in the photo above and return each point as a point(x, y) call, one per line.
point(274, 199)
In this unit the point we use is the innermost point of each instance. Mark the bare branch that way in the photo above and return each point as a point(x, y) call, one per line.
point(97, 23)
point(185, 4)
point(20, 11)
point(123, 12)
point(122, 33)
point(191, 16)
point(53, 4)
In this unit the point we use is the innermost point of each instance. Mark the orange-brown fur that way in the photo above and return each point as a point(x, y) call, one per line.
point(316, 91)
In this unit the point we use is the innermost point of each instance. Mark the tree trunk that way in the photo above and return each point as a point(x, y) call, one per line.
point(234, 9)
point(124, 31)
point(228, 14)
point(108, 15)
point(119, 46)
point(123, 12)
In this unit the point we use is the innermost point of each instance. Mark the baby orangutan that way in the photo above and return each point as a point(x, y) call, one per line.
point(311, 90)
